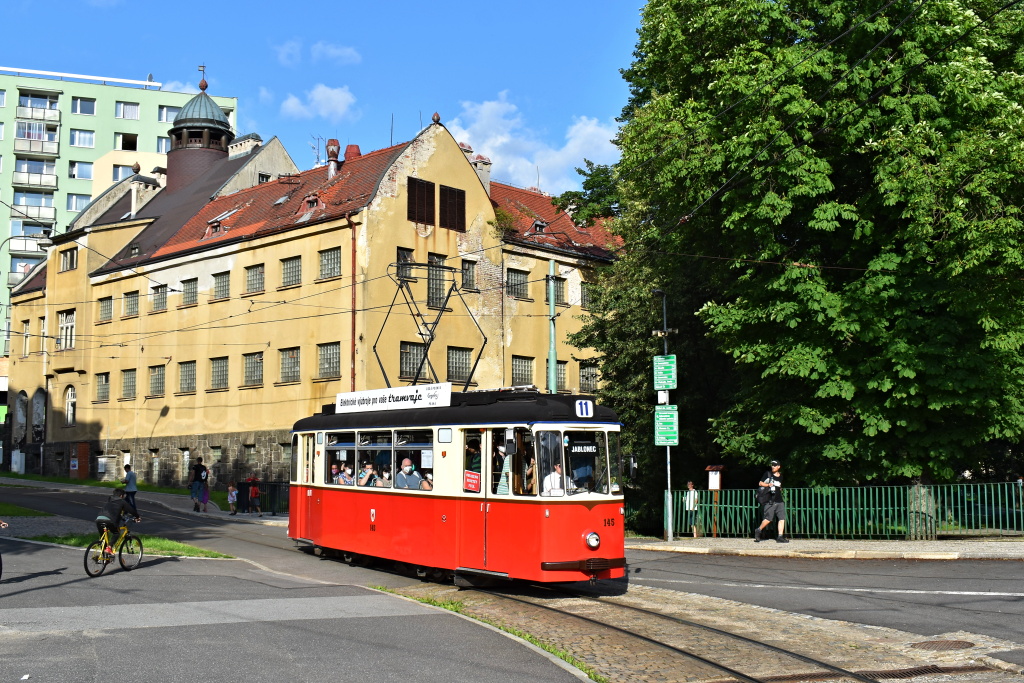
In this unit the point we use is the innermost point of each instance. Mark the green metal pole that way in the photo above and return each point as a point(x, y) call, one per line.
point(552, 355)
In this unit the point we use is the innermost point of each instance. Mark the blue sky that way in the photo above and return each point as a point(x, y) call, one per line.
point(534, 85)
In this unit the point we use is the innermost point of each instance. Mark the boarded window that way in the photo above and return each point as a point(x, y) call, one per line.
point(421, 201)
point(453, 209)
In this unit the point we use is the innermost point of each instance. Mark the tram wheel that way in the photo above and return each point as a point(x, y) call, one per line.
point(348, 558)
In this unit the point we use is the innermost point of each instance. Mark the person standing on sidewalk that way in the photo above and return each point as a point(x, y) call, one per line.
point(130, 485)
point(196, 481)
point(690, 501)
point(254, 494)
point(232, 497)
point(775, 507)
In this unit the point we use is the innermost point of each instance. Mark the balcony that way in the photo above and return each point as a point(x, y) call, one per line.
point(26, 179)
point(43, 213)
point(36, 146)
point(15, 278)
point(28, 246)
point(38, 114)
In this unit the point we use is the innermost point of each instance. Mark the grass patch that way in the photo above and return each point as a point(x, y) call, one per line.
point(8, 510)
point(458, 607)
point(152, 544)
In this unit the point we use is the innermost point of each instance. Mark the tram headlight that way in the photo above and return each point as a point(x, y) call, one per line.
point(593, 540)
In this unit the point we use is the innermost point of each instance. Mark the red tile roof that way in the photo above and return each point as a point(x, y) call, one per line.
point(560, 232)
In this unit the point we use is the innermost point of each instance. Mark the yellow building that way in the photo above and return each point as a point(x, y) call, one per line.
point(201, 312)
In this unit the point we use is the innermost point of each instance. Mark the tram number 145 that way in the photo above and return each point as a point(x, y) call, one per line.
point(609, 521)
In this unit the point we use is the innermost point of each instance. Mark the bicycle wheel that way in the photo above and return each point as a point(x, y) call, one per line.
point(130, 553)
point(95, 560)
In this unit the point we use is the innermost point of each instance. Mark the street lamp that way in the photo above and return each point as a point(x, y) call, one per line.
point(663, 333)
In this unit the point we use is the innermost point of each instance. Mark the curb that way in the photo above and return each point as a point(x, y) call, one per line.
point(817, 554)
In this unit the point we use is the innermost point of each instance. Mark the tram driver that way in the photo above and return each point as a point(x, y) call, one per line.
point(554, 483)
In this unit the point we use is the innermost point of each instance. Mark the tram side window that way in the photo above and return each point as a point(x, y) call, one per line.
point(615, 462)
point(552, 474)
point(587, 456)
point(524, 478)
point(295, 458)
point(340, 460)
point(414, 454)
point(473, 462)
point(512, 462)
point(374, 456)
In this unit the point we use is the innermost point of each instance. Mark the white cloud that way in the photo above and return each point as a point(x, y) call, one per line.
point(339, 54)
point(289, 53)
point(323, 102)
point(496, 129)
point(178, 86)
point(266, 96)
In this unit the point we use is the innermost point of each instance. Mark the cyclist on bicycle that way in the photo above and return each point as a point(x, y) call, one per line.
point(110, 516)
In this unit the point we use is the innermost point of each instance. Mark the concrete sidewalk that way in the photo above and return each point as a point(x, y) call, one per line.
point(178, 503)
point(998, 548)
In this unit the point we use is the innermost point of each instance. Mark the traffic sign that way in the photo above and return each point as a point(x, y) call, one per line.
point(666, 426)
point(664, 372)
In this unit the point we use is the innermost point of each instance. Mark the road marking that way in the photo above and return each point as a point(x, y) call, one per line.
point(150, 615)
point(832, 589)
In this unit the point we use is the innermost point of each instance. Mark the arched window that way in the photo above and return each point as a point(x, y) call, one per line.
point(69, 406)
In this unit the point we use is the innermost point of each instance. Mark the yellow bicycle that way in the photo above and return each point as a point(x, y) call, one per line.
point(127, 547)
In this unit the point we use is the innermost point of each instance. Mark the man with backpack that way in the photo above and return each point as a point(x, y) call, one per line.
point(196, 482)
point(769, 495)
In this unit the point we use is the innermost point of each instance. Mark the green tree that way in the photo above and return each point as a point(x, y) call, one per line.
point(849, 176)
point(598, 198)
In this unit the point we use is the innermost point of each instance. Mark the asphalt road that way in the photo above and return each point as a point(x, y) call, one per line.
point(924, 597)
point(282, 615)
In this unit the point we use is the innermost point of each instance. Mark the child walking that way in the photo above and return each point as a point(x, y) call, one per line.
point(232, 497)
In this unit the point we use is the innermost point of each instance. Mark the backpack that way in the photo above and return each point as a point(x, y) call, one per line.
point(763, 494)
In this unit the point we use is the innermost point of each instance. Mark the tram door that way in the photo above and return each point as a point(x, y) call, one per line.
point(473, 501)
point(304, 476)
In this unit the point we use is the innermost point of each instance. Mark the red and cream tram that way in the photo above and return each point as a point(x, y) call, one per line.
point(509, 484)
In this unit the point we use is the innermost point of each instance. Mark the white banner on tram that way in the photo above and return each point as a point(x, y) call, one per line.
point(396, 398)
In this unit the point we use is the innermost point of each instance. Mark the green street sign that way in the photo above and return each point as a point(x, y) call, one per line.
point(664, 372)
point(666, 426)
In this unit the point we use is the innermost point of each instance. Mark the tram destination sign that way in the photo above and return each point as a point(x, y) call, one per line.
point(396, 398)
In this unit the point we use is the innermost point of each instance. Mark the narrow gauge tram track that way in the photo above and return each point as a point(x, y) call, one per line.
point(762, 662)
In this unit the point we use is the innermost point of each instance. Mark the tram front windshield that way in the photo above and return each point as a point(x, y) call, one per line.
point(575, 462)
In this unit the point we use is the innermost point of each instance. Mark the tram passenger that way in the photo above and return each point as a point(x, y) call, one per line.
point(505, 474)
point(384, 479)
point(367, 477)
point(408, 477)
point(530, 474)
point(473, 455)
point(554, 483)
point(498, 466)
point(346, 475)
point(335, 474)
point(428, 482)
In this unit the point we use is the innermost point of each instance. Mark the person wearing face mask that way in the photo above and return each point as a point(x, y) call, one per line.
point(367, 477)
point(408, 478)
point(346, 478)
point(384, 480)
point(335, 474)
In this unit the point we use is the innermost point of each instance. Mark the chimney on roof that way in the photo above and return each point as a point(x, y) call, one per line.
point(333, 147)
point(352, 152)
point(482, 166)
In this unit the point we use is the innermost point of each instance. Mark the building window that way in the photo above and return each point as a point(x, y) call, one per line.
point(106, 308)
point(254, 279)
point(33, 199)
point(80, 169)
point(103, 386)
point(328, 360)
point(126, 110)
point(127, 142)
point(66, 329)
point(330, 263)
point(421, 201)
point(585, 294)
point(187, 377)
point(77, 202)
point(435, 280)
point(122, 172)
point(219, 373)
point(588, 378)
point(460, 362)
point(68, 259)
point(26, 337)
point(560, 382)
point(517, 283)
point(40, 167)
point(167, 113)
point(70, 403)
point(82, 138)
point(3, 98)
point(404, 257)
point(291, 271)
point(83, 105)
point(128, 383)
point(263, 178)
point(163, 145)
point(290, 365)
point(35, 130)
point(522, 371)
point(131, 304)
point(189, 292)
point(559, 284)
point(156, 380)
point(453, 209)
point(252, 365)
point(221, 286)
point(468, 274)
point(159, 298)
point(411, 360)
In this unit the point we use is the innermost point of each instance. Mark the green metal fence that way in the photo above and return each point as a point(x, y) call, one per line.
point(898, 512)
